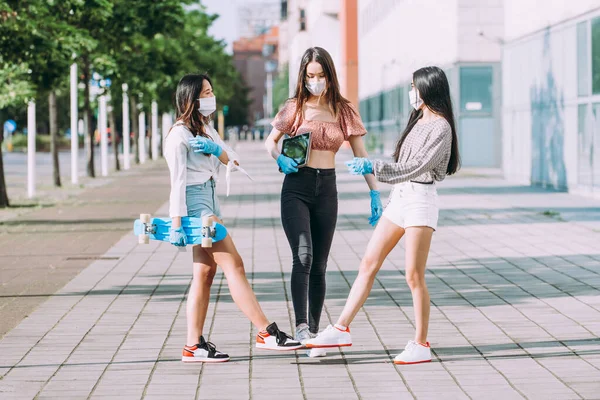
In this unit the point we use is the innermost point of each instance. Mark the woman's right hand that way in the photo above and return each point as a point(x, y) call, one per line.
point(177, 237)
point(286, 164)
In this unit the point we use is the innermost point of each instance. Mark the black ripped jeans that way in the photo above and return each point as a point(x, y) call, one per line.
point(309, 207)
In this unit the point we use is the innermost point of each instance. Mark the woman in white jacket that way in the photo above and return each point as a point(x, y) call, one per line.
point(194, 152)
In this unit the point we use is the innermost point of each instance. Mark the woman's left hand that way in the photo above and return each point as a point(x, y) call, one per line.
point(203, 145)
point(376, 207)
point(360, 166)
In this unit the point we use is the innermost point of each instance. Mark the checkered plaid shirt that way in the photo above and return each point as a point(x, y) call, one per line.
point(423, 157)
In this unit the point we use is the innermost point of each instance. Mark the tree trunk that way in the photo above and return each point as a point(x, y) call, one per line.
point(135, 127)
point(87, 110)
point(115, 138)
point(53, 119)
point(3, 195)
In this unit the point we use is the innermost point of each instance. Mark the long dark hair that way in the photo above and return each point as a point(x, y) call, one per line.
point(187, 104)
point(334, 98)
point(433, 88)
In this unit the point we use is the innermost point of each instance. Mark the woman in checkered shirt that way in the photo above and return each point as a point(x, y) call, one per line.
point(426, 152)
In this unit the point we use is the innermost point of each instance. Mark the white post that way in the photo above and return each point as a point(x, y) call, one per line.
point(74, 126)
point(155, 137)
point(166, 125)
point(142, 135)
point(103, 135)
point(126, 130)
point(269, 95)
point(31, 132)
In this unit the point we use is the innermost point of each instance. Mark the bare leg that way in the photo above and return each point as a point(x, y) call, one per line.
point(384, 239)
point(204, 270)
point(418, 242)
point(227, 257)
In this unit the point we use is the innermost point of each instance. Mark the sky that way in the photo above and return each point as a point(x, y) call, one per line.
point(225, 27)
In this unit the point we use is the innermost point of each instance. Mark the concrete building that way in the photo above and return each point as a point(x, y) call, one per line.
point(308, 23)
point(257, 17)
point(254, 58)
point(551, 87)
point(463, 37)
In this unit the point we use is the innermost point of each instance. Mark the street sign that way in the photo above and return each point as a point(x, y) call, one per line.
point(10, 126)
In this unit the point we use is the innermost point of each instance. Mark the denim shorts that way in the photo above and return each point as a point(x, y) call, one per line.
point(202, 200)
point(413, 204)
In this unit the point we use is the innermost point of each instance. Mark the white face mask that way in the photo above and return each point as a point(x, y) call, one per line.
point(208, 105)
point(415, 99)
point(316, 87)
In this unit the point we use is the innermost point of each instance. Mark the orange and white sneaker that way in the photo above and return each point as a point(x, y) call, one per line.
point(274, 339)
point(332, 336)
point(414, 353)
point(203, 352)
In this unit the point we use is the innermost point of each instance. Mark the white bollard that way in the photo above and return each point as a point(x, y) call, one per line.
point(103, 135)
point(142, 136)
point(74, 127)
point(126, 130)
point(31, 132)
point(166, 125)
point(155, 137)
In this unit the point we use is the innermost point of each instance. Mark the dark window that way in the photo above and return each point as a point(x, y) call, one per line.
point(284, 10)
point(583, 60)
point(302, 20)
point(596, 55)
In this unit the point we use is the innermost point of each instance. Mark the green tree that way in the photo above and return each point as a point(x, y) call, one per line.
point(15, 89)
point(281, 88)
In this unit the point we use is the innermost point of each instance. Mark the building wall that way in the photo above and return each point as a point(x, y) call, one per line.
point(523, 17)
point(396, 38)
point(480, 30)
point(550, 127)
point(251, 66)
point(388, 48)
point(322, 29)
point(255, 18)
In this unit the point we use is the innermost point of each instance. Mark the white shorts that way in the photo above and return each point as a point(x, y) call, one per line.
point(413, 204)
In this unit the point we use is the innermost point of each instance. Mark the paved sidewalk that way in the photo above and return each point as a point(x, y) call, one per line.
point(43, 248)
point(514, 277)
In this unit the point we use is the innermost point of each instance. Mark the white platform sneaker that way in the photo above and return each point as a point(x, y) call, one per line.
point(414, 353)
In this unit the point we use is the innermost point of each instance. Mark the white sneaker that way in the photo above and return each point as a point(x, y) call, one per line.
point(314, 353)
point(331, 337)
point(414, 353)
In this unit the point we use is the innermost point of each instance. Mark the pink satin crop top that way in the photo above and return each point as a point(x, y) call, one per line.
point(325, 135)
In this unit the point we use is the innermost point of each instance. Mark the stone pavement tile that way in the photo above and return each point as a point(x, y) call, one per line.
point(491, 392)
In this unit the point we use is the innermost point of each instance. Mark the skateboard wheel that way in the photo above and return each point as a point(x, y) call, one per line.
point(143, 239)
point(145, 218)
point(206, 221)
point(206, 242)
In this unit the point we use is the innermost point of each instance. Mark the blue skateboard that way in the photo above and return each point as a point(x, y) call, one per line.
point(200, 231)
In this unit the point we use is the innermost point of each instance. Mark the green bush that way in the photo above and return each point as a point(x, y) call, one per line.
point(42, 142)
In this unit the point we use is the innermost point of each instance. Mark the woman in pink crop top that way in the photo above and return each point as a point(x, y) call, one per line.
point(309, 201)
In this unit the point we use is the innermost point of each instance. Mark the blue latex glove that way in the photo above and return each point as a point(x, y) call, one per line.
point(286, 164)
point(203, 145)
point(360, 166)
point(376, 207)
point(177, 237)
